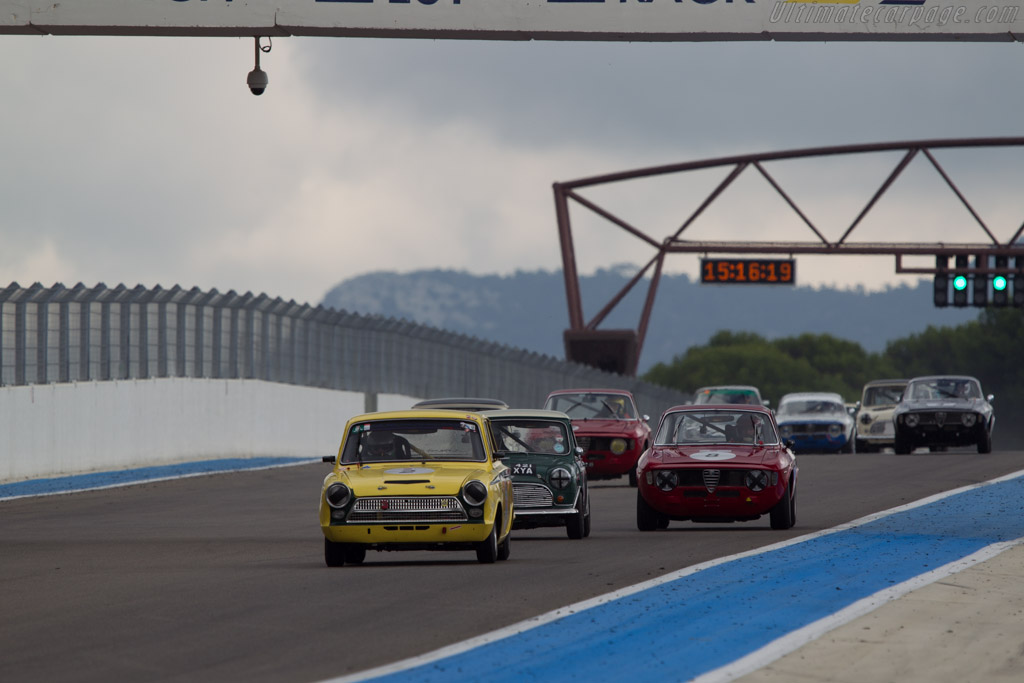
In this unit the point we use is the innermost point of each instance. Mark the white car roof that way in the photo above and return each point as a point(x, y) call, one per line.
point(812, 396)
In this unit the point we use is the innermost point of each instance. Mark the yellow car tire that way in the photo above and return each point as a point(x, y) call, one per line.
point(487, 549)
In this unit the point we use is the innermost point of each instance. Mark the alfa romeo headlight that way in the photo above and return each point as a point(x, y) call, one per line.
point(912, 420)
point(618, 446)
point(756, 480)
point(338, 495)
point(475, 492)
point(560, 477)
point(666, 480)
point(969, 419)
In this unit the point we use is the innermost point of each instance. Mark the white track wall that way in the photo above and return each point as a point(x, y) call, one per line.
point(58, 429)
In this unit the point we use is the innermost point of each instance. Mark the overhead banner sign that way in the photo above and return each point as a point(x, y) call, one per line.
point(610, 20)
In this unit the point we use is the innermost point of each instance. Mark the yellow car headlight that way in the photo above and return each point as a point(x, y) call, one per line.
point(338, 495)
point(618, 446)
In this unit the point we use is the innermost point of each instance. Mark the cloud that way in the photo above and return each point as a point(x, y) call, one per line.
point(40, 261)
point(147, 160)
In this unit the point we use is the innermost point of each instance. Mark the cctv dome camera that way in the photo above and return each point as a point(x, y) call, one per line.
point(257, 81)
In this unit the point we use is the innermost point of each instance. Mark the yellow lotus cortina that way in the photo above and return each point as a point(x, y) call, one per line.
point(416, 480)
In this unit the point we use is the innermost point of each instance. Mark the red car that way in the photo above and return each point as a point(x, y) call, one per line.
point(716, 463)
point(608, 427)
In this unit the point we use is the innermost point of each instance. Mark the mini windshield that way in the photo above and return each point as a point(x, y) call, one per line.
point(882, 396)
point(413, 440)
point(941, 388)
point(726, 396)
point(692, 427)
point(814, 407)
point(594, 405)
point(531, 436)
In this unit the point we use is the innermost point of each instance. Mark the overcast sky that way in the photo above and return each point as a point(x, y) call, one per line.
point(147, 161)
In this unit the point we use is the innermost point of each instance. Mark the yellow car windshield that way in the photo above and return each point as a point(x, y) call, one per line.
point(413, 440)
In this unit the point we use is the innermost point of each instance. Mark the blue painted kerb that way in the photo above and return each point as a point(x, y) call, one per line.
point(83, 482)
point(703, 621)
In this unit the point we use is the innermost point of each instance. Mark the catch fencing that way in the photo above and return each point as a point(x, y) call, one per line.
point(86, 334)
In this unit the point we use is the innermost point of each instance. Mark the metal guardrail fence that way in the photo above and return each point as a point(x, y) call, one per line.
point(56, 334)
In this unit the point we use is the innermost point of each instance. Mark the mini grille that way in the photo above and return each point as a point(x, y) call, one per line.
point(711, 478)
point(415, 509)
point(531, 495)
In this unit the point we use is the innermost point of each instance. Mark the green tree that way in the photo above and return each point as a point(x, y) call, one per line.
point(990, 348)
point(805, 363)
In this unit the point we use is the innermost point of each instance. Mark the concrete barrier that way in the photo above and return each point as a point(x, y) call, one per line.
point(59, 429)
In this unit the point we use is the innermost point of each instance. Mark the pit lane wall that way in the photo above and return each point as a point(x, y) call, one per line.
point(105, 378)
point(59, 429)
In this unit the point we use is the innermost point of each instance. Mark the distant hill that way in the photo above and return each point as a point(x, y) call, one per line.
point(528, 309)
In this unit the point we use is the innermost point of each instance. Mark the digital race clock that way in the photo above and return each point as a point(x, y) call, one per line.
point(748, 271)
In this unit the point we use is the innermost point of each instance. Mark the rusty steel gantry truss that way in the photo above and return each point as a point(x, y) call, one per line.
point(619, 350)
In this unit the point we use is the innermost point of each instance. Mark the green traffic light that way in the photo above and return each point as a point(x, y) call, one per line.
point(999, 283)
point(960, 283)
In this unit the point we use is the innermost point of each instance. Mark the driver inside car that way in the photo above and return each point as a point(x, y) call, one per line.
point(382, 445)
point(744, 430)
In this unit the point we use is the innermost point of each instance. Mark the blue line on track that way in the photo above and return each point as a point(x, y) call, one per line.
point(705, 620)
point(96, 480)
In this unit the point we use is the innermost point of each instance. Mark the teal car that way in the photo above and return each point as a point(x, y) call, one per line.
point(549, 477)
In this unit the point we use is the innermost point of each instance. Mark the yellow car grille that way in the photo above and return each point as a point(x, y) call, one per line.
point(430, 509)
point(531, 495)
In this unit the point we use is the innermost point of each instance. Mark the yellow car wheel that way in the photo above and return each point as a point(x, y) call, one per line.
point(339, 554)
point(334, 554)
point(505, 547)
point(487, 550)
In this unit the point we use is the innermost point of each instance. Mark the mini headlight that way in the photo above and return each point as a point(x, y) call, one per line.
point(865, 418)
point(912, 419)
point(969, 419)
point(835, 430)
point(756, 480)
point(666, 480)
point(618, 446)
point(475, 492)
point(338, 495)
point(560, 477)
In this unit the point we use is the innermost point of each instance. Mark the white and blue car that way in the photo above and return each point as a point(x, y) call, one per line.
point(816, 422)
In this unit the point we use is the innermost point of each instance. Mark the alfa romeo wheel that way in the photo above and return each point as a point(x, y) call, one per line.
point(647, 518)
point(783, 512)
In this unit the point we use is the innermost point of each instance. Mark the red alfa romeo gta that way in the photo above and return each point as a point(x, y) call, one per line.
point(716, 463)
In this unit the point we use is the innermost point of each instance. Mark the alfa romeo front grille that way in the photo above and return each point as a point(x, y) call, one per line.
point(941, 418)
point(429, 509)
point(698, 477)
point(711, 478)
point(594, 443)
point(531, 495)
